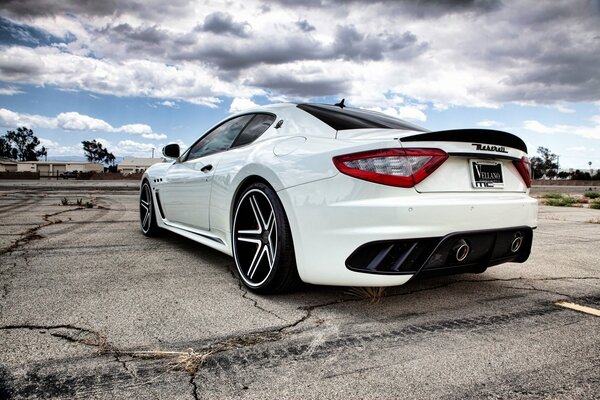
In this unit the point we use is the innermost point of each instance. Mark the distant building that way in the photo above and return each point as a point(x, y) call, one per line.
point(7, 165)
point(55, 168)
point(134, 165)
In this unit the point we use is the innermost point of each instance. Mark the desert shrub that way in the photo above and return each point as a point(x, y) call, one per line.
point(562, 201)
point(552, 195)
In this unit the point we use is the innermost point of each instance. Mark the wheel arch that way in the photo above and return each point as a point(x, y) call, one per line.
point(245, 183)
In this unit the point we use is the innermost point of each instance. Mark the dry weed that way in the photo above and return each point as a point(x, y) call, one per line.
point(373, 294)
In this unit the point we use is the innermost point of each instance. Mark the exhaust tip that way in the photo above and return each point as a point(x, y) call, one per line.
point(462, 250)
point(517, 242)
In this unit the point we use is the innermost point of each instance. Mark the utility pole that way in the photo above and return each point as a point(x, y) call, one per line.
point(153, 152)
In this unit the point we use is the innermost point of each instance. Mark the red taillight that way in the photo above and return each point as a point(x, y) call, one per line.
point(524, 167)
point(394, 167)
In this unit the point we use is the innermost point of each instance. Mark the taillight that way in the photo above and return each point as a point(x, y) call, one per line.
point(524, 167)
point(394, 167)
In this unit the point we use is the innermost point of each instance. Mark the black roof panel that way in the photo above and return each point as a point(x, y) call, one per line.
point(355, 118)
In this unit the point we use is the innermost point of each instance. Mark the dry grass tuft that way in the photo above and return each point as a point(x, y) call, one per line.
point(593, 221)
point(373, 294)
point(190, 361)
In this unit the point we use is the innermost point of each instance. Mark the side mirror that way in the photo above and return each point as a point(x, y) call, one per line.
point(171, 150)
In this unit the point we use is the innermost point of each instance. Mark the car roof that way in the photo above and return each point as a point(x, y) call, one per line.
point(341, 118)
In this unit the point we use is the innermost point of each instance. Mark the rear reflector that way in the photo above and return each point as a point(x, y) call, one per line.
point(524, 167)
point(394, 167)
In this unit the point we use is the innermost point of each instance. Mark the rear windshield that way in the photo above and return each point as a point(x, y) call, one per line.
point(353, 118)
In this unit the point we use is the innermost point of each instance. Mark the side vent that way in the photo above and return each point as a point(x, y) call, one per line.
point(160, 210)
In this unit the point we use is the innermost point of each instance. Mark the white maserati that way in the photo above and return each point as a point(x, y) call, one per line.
point(335, 195)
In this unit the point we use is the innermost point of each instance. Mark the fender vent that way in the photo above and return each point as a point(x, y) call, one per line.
point(160, 210)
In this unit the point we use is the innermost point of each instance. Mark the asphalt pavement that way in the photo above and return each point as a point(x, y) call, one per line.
point(90, 308)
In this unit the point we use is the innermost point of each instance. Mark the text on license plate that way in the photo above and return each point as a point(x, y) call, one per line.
point(486, 174)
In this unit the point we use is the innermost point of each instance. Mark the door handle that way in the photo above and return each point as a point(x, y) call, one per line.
point(206, 168)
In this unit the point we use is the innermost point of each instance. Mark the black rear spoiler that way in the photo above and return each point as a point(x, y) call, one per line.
point(475, 136)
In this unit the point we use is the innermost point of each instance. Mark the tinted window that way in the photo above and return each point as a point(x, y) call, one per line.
point(259, 124)
point(353, 118)
point(219, 139)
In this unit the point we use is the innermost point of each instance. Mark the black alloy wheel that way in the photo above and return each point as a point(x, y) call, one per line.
point(262, 241)
point(147, 216)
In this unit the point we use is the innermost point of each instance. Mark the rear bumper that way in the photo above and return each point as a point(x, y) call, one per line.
point(458, 251)
point(332, 218)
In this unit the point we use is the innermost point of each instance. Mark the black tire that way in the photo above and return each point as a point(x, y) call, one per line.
point(147, 211)
point(263, 249)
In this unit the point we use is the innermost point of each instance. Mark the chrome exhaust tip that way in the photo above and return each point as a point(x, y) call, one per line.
point(516, 243)
point(462, 250)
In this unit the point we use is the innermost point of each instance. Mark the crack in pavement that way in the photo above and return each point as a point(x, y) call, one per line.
point(90, 338)
point(32, 233)
point(191, 361)
point(535, 289)
point(194, 387)
point(447, 284)
point(245, 296)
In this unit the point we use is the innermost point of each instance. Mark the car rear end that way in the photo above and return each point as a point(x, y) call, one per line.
point(422, 202)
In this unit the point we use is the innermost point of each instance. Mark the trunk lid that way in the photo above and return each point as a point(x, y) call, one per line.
point(480, 160)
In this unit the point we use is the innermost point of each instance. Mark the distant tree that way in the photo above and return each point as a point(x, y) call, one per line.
point(43, 152)
point(580, 175)
point(20, 145)
point(564, 175)
point(6, 150)
point(95, 152)
point(545, 165)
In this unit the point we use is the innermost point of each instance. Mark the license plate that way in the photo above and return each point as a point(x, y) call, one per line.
point(486, 174)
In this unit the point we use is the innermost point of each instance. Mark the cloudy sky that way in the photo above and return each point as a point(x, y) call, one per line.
point(137, 74)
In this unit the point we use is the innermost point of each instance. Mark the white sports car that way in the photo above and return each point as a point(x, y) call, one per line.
point(334, 195)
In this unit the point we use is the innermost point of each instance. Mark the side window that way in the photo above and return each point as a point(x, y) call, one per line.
point(219, 139)
point(259, 124)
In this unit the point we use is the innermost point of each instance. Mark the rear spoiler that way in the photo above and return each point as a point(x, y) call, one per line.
point(474, 136)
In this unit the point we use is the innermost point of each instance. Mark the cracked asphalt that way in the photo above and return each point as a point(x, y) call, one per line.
point(90, 308)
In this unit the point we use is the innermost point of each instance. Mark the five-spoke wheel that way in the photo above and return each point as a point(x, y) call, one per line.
point(262, 242)
point(147, 218)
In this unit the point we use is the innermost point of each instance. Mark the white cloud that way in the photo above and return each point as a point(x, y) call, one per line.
point(131, 146)
point(241, 104)
point(10, 91)
point(168, 103)
point(56, 149)
point(490, 124)
point(191, 82)
point(73, 121)
point(426, 52)
point(12, 120)
point(591, 132)
point(412, 113)
point(140, 129)
point(563, 109)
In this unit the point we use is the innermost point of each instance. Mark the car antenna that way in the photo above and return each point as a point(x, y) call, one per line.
point(340, 104)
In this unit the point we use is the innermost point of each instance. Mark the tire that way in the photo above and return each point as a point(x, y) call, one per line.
point(262, 243)
point(147, 211)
